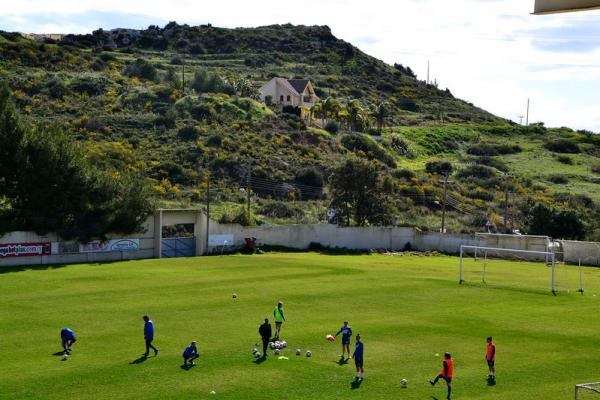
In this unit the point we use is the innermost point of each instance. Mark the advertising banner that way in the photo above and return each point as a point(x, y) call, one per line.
point(25, 249)
point(98, 246)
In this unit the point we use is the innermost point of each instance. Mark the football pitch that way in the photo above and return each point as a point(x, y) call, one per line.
point(407, 309)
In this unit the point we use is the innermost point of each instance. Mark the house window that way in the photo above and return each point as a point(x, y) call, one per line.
point(281, 98)
point(289, 98)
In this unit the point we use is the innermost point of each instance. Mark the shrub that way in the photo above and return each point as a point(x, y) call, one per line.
point(332, 127)
point(563, 146)
point(281, 210)
point(477, 171)
point(189, 132)
point(490, 149)
point(403, 174)
point(141, 69)
point(492, 162)
point(309, 177)
point(596, 168)
point(214, 140)
point(402, 147)
point(372, 150)
point(439, 167)
point(565, 160)
point(166, 120)
point(57, 88)
point(558, 179)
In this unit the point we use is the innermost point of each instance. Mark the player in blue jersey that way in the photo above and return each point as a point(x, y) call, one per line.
point(190, 354)
point(67, 337)
point(358, 358)
point(149, 335)
point(346, 332)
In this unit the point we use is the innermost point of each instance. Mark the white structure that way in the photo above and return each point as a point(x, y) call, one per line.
point(289, 92)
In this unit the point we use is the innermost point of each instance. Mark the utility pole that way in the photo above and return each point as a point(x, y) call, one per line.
point(207, 208)
point(506, 195)
point(445, 182)
point(521, 119)
point(527, 118)
point(428, 72)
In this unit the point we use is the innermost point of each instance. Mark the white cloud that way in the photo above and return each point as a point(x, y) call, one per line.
point(487, 52)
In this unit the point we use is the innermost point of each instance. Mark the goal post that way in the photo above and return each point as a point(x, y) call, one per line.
point(585, 391)
point(550, 258)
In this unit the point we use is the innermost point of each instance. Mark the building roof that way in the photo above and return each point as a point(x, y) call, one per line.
point(298, 84)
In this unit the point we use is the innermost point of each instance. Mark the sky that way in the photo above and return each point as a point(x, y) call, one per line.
point(492, 53)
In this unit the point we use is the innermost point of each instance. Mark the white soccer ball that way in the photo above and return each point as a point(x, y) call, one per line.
point(271, 345)
point(254, 350)
point(404, 382)
point(234, 295)
point(308, 353)
point(257, 355)
point(283, 344)
point(277, 351)
point(298, 352)
point(65, 356)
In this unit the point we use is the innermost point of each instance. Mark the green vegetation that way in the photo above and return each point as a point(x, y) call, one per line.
point(408, 308)
point(179, 104)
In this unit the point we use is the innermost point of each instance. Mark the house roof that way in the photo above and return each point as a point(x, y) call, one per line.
point(298, 84)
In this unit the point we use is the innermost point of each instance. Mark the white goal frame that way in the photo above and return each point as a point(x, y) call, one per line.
point(587, 387)
point(550, 257)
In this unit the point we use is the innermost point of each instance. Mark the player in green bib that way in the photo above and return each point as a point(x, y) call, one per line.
point(279, 319)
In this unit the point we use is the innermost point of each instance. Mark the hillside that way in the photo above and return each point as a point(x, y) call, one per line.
point(179, 103)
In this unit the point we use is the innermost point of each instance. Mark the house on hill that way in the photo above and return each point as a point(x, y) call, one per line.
point(290, 92)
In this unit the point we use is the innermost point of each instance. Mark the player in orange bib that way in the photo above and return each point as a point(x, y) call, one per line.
point(490, 358)
point(446, 373)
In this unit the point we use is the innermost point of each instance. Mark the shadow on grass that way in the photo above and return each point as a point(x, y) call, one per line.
point(342, 361)
point(491, 382)
point(58, 353)
point(355, 384)
point(260, 360)
point(187, 367)
point(139, 360)
point(44, 267)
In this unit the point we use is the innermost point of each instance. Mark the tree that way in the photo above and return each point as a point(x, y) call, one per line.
point(357, 115)
point(48, 184)
point(380, 112)
point(358, 193)
point(558, 223)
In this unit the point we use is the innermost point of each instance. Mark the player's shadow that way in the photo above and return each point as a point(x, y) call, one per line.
point(355, 384)
point(342, 361)
point(58, 353)
point(139, 360)
point(260, 360)
point(491, 382)
point(187, 367)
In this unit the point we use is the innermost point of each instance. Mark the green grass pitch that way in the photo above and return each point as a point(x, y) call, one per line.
point(408, 308)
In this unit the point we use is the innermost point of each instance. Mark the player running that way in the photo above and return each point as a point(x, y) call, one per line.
point(490, 358)
point(346, 332)
point(190, 354)
point(358, 358)
point(279, 319)
point(67, 337)
point(446, 373)
point(149, 335)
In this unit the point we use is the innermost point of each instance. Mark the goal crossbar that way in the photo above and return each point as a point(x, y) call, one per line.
point(586, 386)
point(547, 254)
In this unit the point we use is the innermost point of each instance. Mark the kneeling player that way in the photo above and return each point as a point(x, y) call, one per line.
point(446, 373)
point(190, 354)
point(67, 337)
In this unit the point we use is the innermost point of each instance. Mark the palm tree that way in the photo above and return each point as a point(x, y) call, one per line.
point(355, 115)
point(380, 112)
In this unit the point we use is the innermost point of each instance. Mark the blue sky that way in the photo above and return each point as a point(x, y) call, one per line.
point(489, 52)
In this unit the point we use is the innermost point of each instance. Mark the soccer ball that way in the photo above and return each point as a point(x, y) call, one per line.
point(277, 351)
point(65, 356)
point(257, 355)
point(404, 382)
point(308, 353)
point(283, 344)
point(271, 345)
point(298, 352)
point(234, 295)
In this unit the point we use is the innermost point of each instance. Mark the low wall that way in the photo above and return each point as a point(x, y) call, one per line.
point(586, 252)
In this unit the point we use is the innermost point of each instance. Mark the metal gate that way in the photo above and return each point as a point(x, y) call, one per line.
point(178, 247)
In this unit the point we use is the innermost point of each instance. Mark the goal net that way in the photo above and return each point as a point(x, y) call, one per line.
point(505, 267)
point(587, 391)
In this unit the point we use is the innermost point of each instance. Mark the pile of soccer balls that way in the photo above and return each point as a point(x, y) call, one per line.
point(277, 346)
